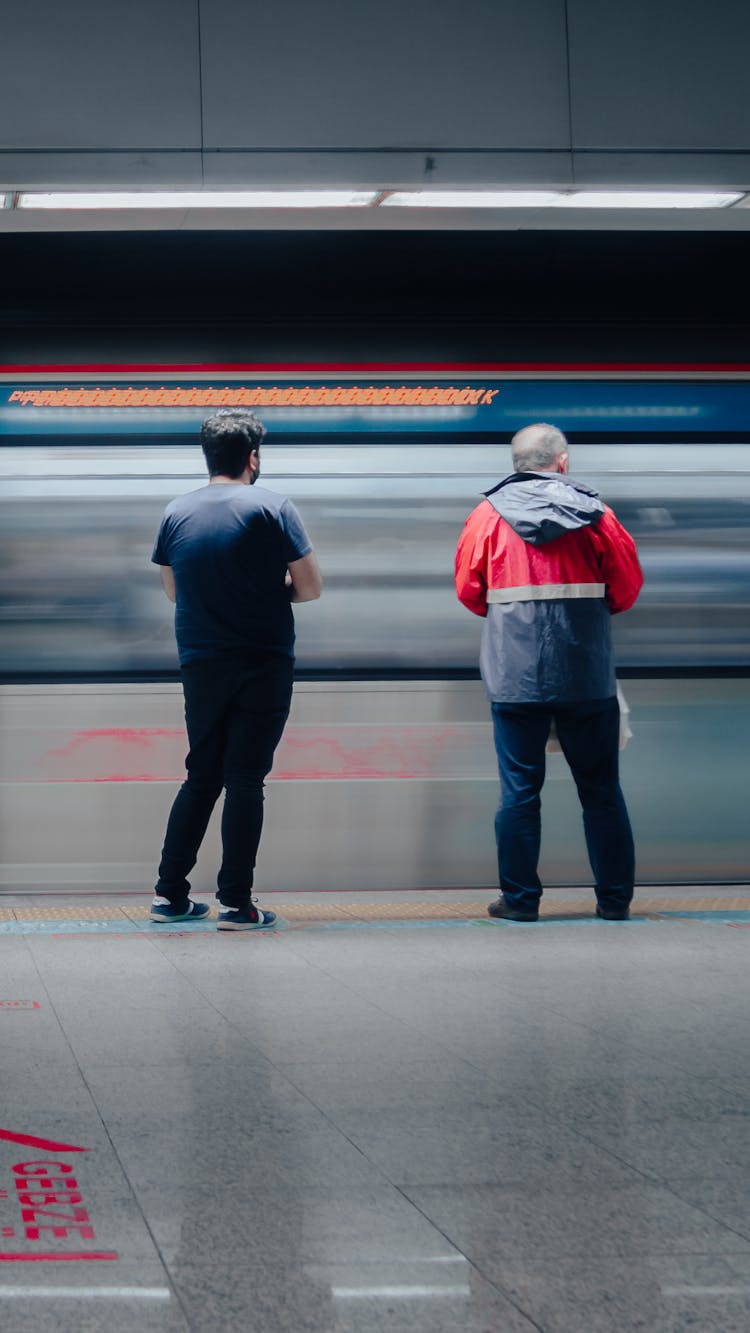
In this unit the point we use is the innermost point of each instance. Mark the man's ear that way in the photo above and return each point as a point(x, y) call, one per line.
point(563, 463)
point(253, 462)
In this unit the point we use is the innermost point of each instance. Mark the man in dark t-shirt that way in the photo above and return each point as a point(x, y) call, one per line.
point(233, 558)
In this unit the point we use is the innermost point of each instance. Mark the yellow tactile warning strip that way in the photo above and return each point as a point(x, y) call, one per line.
point(102, 912)
point(386, 911)
point(463, 911)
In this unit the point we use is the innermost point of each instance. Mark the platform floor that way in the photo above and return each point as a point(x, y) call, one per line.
point(389, 1114)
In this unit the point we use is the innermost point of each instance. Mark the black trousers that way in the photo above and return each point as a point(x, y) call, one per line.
point(235, 713)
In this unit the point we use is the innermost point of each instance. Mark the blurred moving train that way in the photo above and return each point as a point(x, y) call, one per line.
point(388, 699)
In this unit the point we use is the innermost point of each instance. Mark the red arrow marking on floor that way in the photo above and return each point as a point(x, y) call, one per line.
point(46, 1145)
point(53, 1258)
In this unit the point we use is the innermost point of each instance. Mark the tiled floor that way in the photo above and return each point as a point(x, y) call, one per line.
point(387, 1115)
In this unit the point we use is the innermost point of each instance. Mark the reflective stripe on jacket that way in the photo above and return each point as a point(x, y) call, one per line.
point(547, 595)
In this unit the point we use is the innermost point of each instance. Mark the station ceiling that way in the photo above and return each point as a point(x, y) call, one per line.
point(400, 95)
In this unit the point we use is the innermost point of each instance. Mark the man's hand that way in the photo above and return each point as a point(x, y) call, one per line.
point(305, 580)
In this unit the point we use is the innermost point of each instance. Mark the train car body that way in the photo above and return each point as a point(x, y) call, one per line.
point(386, 775)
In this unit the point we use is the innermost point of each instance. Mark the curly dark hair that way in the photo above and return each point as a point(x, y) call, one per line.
point(227, 438)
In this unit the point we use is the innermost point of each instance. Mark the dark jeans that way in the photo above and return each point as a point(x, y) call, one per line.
point(589, 736)
point(235, 714)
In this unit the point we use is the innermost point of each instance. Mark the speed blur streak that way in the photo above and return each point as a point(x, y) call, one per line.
point(77, 521)
point(389, 731)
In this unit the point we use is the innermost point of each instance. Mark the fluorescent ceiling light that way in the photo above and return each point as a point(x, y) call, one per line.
point(273, 199)
point(471, 199)
point(559, 199)
point(645, 199)
point(201, 199)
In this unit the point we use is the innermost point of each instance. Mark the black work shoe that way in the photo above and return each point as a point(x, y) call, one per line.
point(502, 911)
point(613, 913)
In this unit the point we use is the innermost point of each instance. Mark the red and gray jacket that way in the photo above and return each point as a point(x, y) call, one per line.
point(547, 564)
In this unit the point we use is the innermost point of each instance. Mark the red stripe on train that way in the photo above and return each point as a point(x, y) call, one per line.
point(366, 367)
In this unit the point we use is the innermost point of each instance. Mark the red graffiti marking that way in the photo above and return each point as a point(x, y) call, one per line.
point(396, 752)
point(31, 1141)
point(138, 736)
point(307, 753)
point(94, 746)
point(126, 777)
point(19, 1006)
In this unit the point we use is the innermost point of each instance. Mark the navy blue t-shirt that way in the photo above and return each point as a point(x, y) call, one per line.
point(229, 547)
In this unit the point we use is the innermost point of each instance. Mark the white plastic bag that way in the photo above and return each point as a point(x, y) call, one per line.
point(625, 732)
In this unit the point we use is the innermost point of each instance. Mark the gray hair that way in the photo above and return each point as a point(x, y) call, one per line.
point(537, 447)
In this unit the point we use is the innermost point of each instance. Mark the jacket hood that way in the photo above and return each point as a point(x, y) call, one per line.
point(541, 506)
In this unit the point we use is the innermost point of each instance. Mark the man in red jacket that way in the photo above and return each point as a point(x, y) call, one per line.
point(547, 564)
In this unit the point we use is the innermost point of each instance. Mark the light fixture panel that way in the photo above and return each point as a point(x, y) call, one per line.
point(647, 199)
point(470, 199)
point(148, 199)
